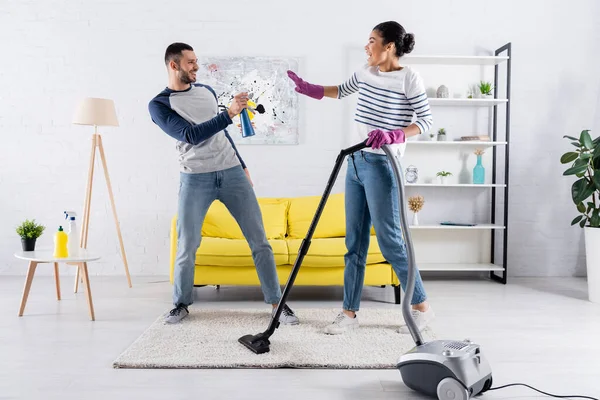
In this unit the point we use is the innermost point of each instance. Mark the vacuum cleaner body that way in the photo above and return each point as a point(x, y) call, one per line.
point(446, 369)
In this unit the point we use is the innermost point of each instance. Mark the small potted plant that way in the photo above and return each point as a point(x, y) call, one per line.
point(29, 231)
point(415, 203)
point(443, 176)
point(432, 136)
point(441, 137)
point(486, 89)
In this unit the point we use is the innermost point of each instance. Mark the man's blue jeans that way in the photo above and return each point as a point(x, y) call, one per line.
point(233, 189)
point(372, 197)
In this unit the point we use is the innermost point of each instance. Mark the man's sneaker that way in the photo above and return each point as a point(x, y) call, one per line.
point(341, 324)
point(177, 314)
point(422, 320)
point(287, 316)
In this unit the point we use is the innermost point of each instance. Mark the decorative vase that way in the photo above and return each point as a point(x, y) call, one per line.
point(415, 220)
point(478, 172)
point(28, 244)
point(592, 252)
point(442, 92)
point(441, 137)
point(444, 180)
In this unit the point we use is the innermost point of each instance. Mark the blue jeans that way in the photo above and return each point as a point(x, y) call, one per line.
point(372, 196)
point(233, 189)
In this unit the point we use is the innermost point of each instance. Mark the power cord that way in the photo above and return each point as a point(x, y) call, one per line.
point(547, 394)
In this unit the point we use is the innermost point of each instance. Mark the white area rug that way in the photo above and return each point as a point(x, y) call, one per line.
point(209, 339)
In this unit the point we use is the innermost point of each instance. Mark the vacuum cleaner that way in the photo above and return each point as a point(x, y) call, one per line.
point(446, 369)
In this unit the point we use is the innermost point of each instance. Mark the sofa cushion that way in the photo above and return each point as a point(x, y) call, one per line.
point(329, 252)
point(235, 252)
point(219, 223)
point(331, 224)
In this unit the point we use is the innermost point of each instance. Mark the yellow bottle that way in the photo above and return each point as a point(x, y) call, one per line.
point(60, 244)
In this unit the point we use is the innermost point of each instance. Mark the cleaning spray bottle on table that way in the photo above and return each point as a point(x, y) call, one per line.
point(60, 244)
point(73, 234)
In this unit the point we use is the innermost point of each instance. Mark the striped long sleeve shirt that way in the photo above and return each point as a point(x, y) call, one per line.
point(388, 101)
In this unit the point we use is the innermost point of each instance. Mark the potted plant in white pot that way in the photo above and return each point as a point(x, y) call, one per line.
point(585, 192)
point(29, 231)
point(486, 89)
point(443, 176)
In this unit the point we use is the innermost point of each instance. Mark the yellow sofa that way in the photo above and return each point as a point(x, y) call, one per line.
point(224, 256)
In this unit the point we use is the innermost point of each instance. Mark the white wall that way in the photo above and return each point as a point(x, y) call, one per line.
point(56, 52)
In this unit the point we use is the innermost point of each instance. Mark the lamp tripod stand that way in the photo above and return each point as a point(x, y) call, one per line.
point(97, 144)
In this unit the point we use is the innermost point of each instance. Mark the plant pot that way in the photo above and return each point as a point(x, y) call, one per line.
point(28, 244)
point(415, 220)
point(592, 253)
point(441, 138)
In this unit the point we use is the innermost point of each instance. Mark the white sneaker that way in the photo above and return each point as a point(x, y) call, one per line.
point(422, 319)
point(287, 316)
point(342, 324)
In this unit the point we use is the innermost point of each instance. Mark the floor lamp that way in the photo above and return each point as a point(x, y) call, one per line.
point(97, 112)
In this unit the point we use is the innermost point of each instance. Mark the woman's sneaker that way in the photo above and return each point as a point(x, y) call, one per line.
point(342, 324)
point(422, 320)
point(287, 316)
point(177, 314)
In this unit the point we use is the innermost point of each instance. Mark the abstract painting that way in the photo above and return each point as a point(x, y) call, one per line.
point(273, 104)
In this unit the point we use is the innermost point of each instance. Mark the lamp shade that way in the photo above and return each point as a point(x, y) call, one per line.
point(96, 112)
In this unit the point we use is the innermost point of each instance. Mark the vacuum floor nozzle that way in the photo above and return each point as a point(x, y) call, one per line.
point(259, 344)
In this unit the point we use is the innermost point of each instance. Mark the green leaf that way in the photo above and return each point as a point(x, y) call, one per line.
point(570, 137)
point(596, 179)
point(576, 144)
point(576, 220)
point(595, 220)
point(576, 169)
point(581, 190)
point(586, 139)
point(569, 157)
point(581, 207)
point(585, 156)
point(582, 223)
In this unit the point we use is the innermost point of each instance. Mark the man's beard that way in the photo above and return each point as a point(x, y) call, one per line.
point(185, 77)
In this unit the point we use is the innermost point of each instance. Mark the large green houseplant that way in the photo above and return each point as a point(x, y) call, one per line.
point(585, 192)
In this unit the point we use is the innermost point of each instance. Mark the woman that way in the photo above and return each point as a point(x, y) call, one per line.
point(388, 95)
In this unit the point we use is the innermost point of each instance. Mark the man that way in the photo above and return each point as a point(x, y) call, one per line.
point(211, 169)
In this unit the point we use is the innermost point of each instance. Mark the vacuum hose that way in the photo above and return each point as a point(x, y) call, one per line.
point(412, 270)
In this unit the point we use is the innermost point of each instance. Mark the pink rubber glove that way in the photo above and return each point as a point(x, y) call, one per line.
point(378, 137)
point(308, 89)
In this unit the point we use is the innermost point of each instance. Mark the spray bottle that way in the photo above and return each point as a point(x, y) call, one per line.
point(73, 242)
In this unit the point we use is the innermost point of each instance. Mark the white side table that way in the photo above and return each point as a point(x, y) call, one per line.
point(45, 257)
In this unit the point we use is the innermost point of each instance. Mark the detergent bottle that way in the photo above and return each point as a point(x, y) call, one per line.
point(73, 234)
point(60, 244)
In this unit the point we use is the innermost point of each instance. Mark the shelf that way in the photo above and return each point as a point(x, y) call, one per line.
point(478, 143)
point(453, 60)
point(448, 227)
point(455, 185)
point(460, 267)
point(465, 102)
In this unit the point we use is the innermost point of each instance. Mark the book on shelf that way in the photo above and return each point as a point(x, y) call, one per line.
point(481, 138)
point(452, 223)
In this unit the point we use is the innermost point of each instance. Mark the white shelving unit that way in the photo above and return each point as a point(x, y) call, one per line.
point(472, 185)
point(454, 60)
point(479, 267)
point(473, 143)
point(452, 236)
point(459, 227)
point(466, 102)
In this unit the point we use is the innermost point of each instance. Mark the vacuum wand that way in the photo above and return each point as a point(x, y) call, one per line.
point(410, 284)
point(260, 343)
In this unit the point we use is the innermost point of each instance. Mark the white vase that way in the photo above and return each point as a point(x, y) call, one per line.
point(592, 254)
point(444, 180)
point(415, 219)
